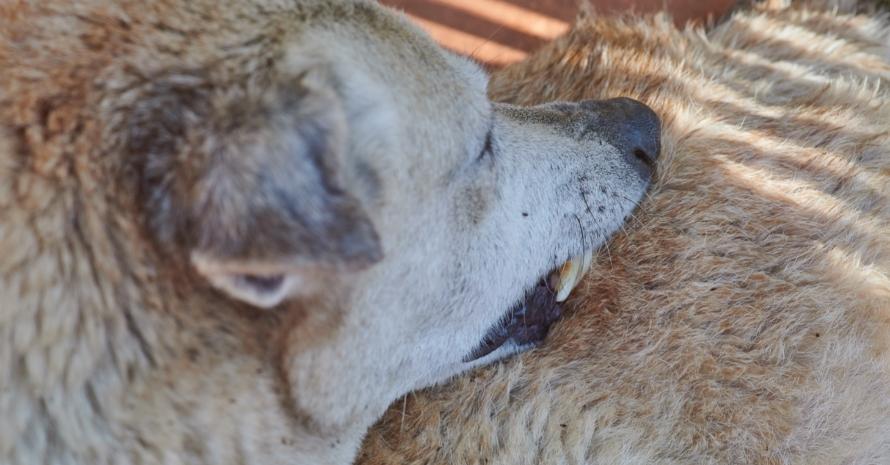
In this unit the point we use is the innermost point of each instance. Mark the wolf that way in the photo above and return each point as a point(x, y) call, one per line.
point(236, 232)
point(743, 316)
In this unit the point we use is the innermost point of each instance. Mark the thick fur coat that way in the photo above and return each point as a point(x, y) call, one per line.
point(235, 232)
point(744, 317)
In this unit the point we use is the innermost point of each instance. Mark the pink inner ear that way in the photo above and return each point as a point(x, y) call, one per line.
point(260, 285)
point(264, 282)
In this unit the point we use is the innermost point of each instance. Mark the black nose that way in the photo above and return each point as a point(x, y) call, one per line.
point(630, 126)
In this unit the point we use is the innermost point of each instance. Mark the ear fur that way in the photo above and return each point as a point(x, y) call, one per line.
point(251, 186)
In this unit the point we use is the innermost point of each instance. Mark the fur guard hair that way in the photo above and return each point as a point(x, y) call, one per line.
point(744, 317)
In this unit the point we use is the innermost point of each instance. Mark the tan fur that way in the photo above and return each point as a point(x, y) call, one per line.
point(745, 315)
point(235, 232)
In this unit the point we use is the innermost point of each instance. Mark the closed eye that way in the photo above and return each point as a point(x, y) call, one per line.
point(487, 146)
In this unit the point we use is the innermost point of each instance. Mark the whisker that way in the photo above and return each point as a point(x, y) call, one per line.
point(637, 221)
point(609, 254)
point(624, 230)
point(488, 40)
point(404, 408)
point(581, 228)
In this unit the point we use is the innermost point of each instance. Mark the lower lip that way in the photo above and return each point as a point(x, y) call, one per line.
point(527, 323)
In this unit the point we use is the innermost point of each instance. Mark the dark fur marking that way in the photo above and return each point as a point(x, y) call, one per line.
point(475, 204)
point(93, 400)
point(193, 353)
point(370, 180)
point(272, 172)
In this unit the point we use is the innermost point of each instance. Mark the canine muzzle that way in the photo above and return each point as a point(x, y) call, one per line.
point(635, 130)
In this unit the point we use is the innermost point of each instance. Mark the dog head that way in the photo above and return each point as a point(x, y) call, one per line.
point(334, 214)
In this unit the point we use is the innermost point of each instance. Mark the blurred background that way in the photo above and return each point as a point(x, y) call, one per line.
point(499, 32)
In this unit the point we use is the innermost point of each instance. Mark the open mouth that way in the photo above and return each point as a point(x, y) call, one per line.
point(529, 320)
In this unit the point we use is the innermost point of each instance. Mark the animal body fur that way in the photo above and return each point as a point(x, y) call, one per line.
point(235, 232)
point(744, 317)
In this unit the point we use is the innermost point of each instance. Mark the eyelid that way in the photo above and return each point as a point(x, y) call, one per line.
point(487, 146)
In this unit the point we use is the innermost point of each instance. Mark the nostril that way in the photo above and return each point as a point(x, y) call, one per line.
point(645, 157)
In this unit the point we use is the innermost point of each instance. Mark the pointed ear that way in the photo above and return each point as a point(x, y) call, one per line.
point(257, 198)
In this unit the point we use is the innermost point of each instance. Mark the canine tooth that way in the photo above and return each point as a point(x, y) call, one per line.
point(568, 277)
point(571, 273)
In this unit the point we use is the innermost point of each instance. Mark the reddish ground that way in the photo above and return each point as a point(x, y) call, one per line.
point(497, 32)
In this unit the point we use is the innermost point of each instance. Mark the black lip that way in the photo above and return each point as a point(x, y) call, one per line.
point(527, 322)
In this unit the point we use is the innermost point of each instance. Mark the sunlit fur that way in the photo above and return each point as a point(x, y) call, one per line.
point(235, 232)
point(744, 317)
